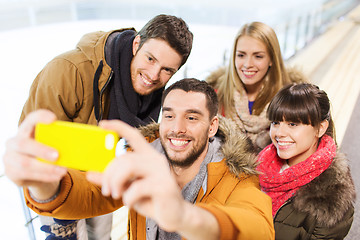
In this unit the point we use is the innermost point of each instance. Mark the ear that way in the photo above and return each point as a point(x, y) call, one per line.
point(214, 126)
point(322, 128)
point(136, 44)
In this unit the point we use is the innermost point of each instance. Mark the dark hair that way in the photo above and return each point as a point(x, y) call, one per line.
point(171, 29)
point(302, 103)
point(195, 85)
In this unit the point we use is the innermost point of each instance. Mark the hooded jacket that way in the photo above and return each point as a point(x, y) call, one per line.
point(65, 84)
point(321, 209)
point(233, 193)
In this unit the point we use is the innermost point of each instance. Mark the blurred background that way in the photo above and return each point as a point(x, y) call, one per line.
point(32, 32)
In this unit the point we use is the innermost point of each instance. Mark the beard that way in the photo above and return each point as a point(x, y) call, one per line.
point(190, 157)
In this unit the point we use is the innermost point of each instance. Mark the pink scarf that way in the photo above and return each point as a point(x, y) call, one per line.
point(282, 186)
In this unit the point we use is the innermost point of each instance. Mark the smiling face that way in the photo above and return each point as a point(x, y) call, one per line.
point(295, 142)
point(252, 62)
point(153, 65)
point(186, 127)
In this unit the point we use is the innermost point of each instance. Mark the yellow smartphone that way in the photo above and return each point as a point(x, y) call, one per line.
point(80, 146)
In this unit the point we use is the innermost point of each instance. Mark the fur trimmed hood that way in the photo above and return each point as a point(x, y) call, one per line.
point(236, 147)
point(213, 78)
point(329, 196)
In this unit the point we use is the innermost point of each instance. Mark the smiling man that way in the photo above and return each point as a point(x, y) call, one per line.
point(119, 74)
point(205, 188)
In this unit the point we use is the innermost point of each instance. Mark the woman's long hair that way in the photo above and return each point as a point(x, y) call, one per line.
point(275, 78)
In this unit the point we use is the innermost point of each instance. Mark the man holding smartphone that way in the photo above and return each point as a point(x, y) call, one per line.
point(196, 179)
point(119, 74)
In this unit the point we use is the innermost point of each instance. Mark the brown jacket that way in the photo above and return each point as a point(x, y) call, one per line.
point(321, 209)
point(233, 194)
point(65, 85)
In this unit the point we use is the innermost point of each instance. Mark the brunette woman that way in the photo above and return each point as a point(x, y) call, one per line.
point(302, 170)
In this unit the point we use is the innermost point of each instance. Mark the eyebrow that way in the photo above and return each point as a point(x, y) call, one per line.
point(252, 53)
point(195, 111)
point(152, 56)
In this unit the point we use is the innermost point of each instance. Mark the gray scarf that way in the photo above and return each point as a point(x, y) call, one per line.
point(189, 192)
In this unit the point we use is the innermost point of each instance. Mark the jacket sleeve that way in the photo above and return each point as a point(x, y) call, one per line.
point(246, 213)
point(77, 199)
point(58, 87)
point(338, 231)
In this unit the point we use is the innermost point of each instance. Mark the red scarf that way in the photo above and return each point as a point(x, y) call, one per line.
point(282, 186)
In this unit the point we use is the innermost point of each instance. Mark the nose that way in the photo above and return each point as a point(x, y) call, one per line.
point(179, 126)
point(281, 130)
point(248, 62)
point(154, 72)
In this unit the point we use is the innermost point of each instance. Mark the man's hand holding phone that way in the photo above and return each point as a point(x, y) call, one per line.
point(80, 146)
point(76, 146)
point(20, 158)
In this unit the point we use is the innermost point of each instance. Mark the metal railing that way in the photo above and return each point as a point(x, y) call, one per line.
point(297, 32)
point(295, 28)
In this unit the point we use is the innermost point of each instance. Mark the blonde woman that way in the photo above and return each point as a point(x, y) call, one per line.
point(255, 73)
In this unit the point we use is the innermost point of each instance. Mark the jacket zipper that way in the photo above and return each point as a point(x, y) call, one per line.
point(101, 95)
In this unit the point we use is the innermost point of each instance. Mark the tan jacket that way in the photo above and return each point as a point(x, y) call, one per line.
point(65, 84)
point(233, 194)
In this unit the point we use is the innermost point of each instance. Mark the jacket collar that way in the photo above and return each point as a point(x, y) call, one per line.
point(92, 45)
point(329, 196)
